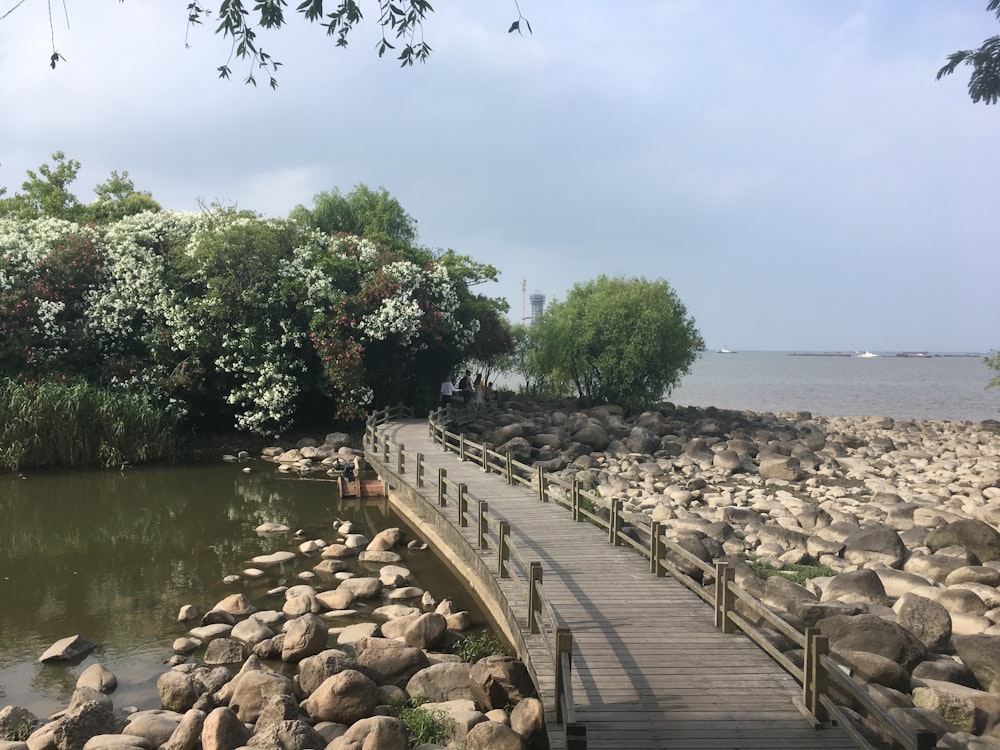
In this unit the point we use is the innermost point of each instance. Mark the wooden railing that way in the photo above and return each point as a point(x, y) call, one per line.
point(734, 606)
point(493, 538)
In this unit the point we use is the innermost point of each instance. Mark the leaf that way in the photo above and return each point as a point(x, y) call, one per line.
point(516, 26)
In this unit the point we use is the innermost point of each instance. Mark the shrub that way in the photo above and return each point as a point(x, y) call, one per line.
point(425, 725)
point(476, 646)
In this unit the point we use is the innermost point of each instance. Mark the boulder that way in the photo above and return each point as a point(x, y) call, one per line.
point(304, 636)
point(292, 734)
point(376, 732)
point(188, 732)
point(223, 730)
point(177, 690)
point(67, 649)
point(856, 586)
point(499, 681)
point(875, 544)
point(441, 682)
point(96, 676)
point(313, 670)
point(157, 726)
point(345, 698)
point(389, 662)
point(978, 537)
point(72, 729)
point(926, 619)
point(490, 735)
point(981, 654)
point(875, 635)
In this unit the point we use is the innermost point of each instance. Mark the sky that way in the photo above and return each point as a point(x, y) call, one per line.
point(790, 167)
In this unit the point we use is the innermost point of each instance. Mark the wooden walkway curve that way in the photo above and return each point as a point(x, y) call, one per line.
point(649, 668)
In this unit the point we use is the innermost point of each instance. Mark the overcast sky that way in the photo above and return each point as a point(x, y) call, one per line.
point(790, 167)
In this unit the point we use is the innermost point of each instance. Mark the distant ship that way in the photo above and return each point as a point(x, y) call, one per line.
point(725, 350)
point(867, 354)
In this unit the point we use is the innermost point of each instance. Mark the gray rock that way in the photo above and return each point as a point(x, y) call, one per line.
point(978, 537)
point(875, 635)
point(223, 651)
point(223, 730)
point(313, 670)
point(67, 649)
point(98, 677)
point(344, 698)
point(926, 619)
point(381, 732)
point(188, 732)
point(389, 662)
point(291, 734)
point(156, 725)
point(856, 586)
point(874, 544)
point(489, 735)
point(499, 681)
point(304, 636)
point(441, 682)
point(981, 654)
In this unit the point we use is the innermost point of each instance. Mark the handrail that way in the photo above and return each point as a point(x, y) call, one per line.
point(512, 566)
point(664, 555)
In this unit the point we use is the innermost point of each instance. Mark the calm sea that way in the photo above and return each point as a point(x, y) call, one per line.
point(933, 387)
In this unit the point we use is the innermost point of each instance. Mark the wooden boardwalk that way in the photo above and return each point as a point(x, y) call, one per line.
point(649, 668)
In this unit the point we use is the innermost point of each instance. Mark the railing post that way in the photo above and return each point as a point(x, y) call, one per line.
point(484, 526)
point(814, 674)
point(385, 451)
point(420, 470)
point(615, 522)
point(461, 447)
point(575, 499)
point(400, 460)
point(564, 645)
point(463, 505)
point(541, 485)
point(510, 469)
point(725, 600)
point(655, 550)
point(503, 550)
point(534, 597)
point(486, 457)
point(442, 490)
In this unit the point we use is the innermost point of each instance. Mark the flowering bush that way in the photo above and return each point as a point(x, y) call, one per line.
point(224, 313)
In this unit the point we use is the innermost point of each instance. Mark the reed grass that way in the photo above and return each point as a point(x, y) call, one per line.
point(55, 424)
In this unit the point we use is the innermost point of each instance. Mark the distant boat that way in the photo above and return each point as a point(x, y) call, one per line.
point(725, 350)
point(867, 354)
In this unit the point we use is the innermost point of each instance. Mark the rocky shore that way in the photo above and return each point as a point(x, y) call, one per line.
point(297, 677)
point(899, 518)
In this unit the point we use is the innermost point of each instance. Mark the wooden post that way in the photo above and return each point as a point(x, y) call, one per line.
point(534, 598)
point(654, 548)
point(814, 674)
point(615, 522)
point(420, 469)
point(576, 736)
point(725, 600)
point(385, 451)
point(486, 457)
point(461, 447)
point(400, 460)
point(503, 550)
point(510, 469)
point(463, 505)
point(541, 486)
point(564, 645)
point(442, 489)
point(484, 526)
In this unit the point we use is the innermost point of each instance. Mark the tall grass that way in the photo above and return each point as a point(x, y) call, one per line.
point(52, 424)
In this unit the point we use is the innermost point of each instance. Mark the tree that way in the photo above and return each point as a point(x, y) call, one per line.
point(46, 192)
point(118, 198)
point(615, 340)
point(374, 215)
point(401, 23)
point(984, 83)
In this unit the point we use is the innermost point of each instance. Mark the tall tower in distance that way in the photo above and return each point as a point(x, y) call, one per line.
point(537, 306)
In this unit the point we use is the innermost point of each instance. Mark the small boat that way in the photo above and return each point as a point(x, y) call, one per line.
point(867, 354)
point(725, 350)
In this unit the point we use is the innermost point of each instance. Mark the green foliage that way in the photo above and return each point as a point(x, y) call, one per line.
point(55, 424)
point(476, 646)
point(236, 320)
point(984, 82)
point(46, 192)
point(994, 364)
point(376, 216)
point(118, 198)
point(614, 340)
point(425, 726)
point(21, 731)
point(796, 573)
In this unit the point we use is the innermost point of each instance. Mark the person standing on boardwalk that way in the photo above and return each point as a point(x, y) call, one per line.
point(477, 386)
point(465, 386)
point(447, 390)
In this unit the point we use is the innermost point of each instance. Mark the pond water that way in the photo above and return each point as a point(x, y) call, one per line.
point(112, 556)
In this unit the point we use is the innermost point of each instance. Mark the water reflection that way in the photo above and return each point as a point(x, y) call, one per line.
point(113, 556)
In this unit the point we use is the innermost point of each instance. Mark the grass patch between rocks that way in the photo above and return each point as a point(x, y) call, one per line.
point(477, 646)
point(425, 725)
point(796, 573)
